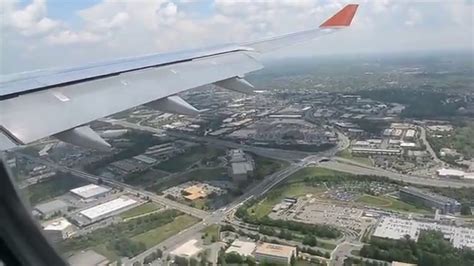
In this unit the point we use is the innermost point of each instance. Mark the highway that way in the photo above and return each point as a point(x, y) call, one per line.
point(93, 178)
point(299, 160)
point(353, 168)
point(267, 152)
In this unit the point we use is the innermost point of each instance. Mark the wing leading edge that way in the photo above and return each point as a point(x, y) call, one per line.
point(48, 103)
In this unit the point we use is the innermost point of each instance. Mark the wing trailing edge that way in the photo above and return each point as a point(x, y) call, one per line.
point(340, 20)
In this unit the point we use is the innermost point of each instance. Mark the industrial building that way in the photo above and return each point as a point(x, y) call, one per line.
point(274, 253)
point(90, 191)
point(429, 199)
point(376, 151)
point(108, 208)
point(49, 209)
point(145, 159)
point(241, 165)
point(397, 228)
point(58, 229)
point(243, 248)
point(450, 173)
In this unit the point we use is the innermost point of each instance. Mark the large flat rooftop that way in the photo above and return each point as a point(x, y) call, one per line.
point(89, 191)
point(107, 207)
point(275, 250)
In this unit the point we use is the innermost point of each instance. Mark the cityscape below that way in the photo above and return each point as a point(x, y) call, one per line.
point(352, 161)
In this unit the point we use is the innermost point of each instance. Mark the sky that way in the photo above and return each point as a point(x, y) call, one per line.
point(37, 34)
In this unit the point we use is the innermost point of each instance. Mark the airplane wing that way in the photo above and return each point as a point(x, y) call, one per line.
point(60, 102)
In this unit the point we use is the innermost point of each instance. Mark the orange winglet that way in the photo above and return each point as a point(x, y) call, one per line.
point(342, 18)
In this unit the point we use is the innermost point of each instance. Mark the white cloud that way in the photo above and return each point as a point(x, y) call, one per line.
point(30, 20)
point(113, 28)
point(414, 17)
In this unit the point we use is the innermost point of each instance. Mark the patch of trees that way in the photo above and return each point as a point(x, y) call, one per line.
point(121, 230)
point(315, 229)
point(52, 187)
point(466, 209)
point(125, 247)
point(419, 104)
point(236, 259)
point(463, 195)
point(140, 142)
point(153, 256)
point(430, 250)
point(310, 240)
point(316, 252)
point(355, 261)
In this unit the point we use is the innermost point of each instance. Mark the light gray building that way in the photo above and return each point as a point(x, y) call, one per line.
point(241, 165)
point(430, 199)
point(49, 209)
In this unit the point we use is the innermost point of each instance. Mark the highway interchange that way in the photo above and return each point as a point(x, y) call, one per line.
point(298, 160)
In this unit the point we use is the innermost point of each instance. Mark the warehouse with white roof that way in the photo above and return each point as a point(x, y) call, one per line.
point(397, 228)
point(90, 191)
point(108, 208)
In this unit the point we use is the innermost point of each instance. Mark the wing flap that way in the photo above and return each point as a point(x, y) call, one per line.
point(39, 114)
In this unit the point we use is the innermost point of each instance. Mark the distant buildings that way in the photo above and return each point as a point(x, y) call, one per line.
point(397, 228)
point(241, 166)
point(429, 199)
point(274, 253)
point(452, 173)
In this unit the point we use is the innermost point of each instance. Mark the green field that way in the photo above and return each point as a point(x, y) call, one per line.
point(145, 178)
point(211, 234)
point(183, 161)
point(140, 210)
point(131, 237)
point(52, 187)
point(390, 203)
point(293, 187)
point(346, 154)
point(266, 166)
point(155, 236)
point(207, 174)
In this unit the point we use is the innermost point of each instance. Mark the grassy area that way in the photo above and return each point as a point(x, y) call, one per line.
point(140, 210)
point(125, 238)
point(145, 178)
point(346, 154)
point(211, 234)
point(294, 187)
point(266, 166)
point(207, 174)
point(52, 187)
point(195, 154)
point(390, 203)
point(155, 236)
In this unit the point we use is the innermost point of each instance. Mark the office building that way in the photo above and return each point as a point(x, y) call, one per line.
point(429, 199)
point(241, 165)
point(58, 229)
point(274, 253)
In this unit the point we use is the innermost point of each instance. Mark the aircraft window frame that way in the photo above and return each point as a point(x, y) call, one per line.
point(21, 242)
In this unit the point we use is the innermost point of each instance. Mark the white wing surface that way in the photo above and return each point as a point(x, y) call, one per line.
point(61, 102)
